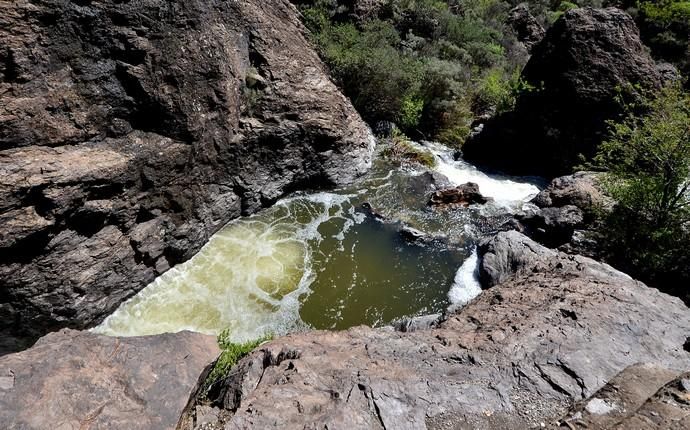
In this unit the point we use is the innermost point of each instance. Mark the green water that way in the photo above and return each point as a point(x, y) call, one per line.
point(314, 260)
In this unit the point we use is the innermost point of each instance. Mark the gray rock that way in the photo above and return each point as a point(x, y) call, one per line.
point(568, 207)
point(552, 330)
point(367, 9)
point(72, 380)
point(130, 132)
point(642, 396)
point(581, 189)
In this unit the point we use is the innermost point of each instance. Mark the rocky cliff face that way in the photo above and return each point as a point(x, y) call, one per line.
point(551, 330)
point(588, 60)
point(132, 131)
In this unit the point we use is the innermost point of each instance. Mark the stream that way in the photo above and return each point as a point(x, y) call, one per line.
point(324, 260)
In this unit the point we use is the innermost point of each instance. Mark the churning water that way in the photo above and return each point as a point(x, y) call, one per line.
point(324, 260)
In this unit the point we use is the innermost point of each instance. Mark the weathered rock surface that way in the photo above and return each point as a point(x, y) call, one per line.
point(587, 59)
point(553, 330)
point(643, 396)
point(78, 380)
point(462, 195)
point(132, 131)
point(367, 9)
point(526, 27)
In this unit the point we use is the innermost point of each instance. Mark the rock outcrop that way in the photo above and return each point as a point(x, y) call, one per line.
point(367, 9)
point(552, 330)
point(132, 131)
point(79, 380)
point(526, 27)
point(567, 207)
point(588, 60)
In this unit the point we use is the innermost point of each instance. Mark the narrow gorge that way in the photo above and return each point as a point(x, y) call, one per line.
point(346, 214)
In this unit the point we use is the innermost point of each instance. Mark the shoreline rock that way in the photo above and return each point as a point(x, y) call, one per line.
point(72, 379)
point(540, 347)
point(565, 210)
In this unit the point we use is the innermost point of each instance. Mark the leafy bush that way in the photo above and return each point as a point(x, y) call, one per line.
point(648, 164)
point(410, 112)
point(230, 354)
point(416, 61)
point(665, 27)
point(377, 77)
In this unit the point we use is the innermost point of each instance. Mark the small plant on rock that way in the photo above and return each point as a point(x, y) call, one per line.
point(401, 151)
point(231, 353)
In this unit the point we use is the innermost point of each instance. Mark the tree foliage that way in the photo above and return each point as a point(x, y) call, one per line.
point(648, 164)
point(419, 63)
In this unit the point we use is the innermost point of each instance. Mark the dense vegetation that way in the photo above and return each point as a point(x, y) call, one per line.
point(665, 27)
point(648, 163)
point(427, 65)
point(433, 66)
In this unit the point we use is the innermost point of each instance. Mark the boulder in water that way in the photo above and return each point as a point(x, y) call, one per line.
point(463, 195)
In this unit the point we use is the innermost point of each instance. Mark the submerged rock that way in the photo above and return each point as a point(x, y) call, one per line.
point(130, 132)
point(588, 60)
point(75, 380)
point(552, 330)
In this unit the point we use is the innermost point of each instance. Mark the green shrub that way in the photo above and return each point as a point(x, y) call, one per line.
point(410, 112)
point(413, 63)
point(230, 354)
point(496, 91)
point(400, 150)
point(379, 79)
point(648, 164)
point(665, 27)
point(665, 12)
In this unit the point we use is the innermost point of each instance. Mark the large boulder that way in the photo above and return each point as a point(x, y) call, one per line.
point(130, 132)
point(462, 195)
point(552, 330)
point(588, 64)
point(566, 208)
point(78, 380)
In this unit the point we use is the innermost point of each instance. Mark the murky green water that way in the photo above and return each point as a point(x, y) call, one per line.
point(320, 260)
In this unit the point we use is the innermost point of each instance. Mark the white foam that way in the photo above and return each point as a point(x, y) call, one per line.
point(502, 189)
point(466, 285)
point(247, 279)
